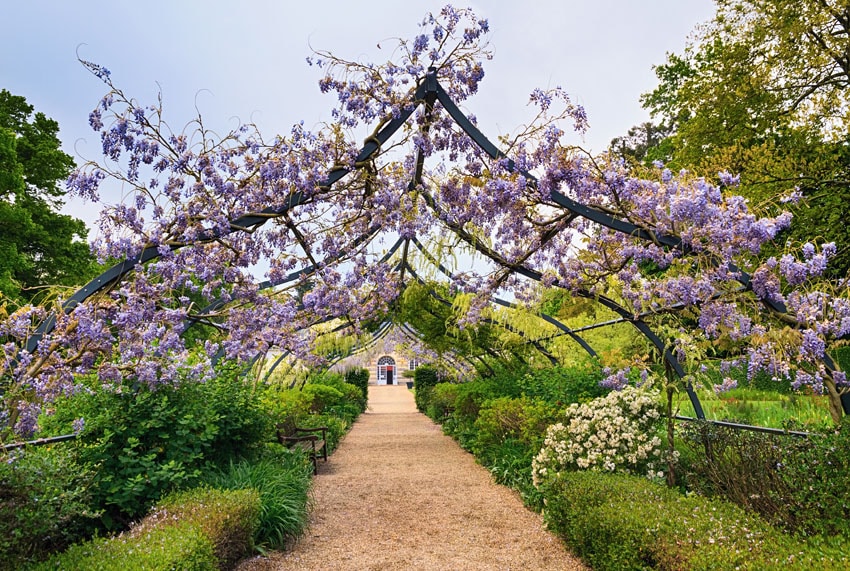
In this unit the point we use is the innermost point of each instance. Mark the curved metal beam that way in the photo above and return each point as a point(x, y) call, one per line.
point(546, 317)
point(252, 220)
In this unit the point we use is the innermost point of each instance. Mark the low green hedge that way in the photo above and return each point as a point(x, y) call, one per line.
point(180, 546)
point(614, 521)
point(200, 529)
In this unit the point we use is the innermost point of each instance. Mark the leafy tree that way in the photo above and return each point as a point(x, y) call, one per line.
point(762, 90)
point(644, 143)
point(38, 245)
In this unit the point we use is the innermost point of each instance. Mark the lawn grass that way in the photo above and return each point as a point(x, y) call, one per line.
point(763, 408)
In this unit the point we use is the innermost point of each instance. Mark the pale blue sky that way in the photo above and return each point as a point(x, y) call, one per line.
point(246, 60)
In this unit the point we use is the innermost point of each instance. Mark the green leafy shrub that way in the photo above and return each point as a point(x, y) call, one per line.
point(471, 397)
point(283, 483)
point(348, 406)
point(424, 380)
point(562, 386)
point(359, 378)
point(200, 529)
point(442, 402)
point(797, 483)
point(519, 419)
point(241, 422)
point(44, 503)
point(322, 397)
point(354, 396)
point(180, 546)
point(618, 521)
point(285, 407)
point(140, 442)
point(228, 518)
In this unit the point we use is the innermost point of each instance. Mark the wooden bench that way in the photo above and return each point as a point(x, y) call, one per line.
point(308, 440)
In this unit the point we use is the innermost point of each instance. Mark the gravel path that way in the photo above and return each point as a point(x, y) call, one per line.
point(398, 494)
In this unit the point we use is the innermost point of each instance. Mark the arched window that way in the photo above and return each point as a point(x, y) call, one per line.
point(386, 370)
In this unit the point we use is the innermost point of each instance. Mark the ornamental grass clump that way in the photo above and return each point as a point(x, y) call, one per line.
point(283, 485)
point(613, 433)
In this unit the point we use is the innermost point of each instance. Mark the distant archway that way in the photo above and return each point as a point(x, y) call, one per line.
point(386, 371)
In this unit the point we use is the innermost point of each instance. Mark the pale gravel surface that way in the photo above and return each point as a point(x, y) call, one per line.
point(398, 494)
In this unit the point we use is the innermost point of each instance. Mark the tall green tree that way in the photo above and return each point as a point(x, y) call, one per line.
point(763, 90)
point(38, 245)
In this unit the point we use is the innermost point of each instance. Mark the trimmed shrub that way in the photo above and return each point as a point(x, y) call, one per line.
point(180, 546)
point(200, 529)
point(227, 518)
point(424, 380)
point(360, 379)
point(618, 521)
point(283, 483)
point(322, 397)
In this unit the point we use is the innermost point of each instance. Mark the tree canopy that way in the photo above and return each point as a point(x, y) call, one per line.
point(38, 245)
point(762, 91)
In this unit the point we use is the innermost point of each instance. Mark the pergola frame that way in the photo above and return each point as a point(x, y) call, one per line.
point(428, 93)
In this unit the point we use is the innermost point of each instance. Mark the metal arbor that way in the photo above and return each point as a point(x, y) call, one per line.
point(428, 93)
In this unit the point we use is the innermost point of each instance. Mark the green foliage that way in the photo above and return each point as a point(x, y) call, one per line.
point(241, 421)
point(360, 379)
point(442, 401)
point(285, 407)
point(199, 529)
point(561, 386)
point(44, 503)
point(760, 91)
point(424, 380)
point(227, 518)
point(283, 483)
point(795, 483)
point(322, 397)
point(615, 521)
point(38, 245)
point(164, 549)
point(141, 443)
point(510, 464)
point(507, 435)
point(522, 420)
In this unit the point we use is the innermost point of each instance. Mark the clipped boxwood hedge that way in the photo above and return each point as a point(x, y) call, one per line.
point(199, 529)
point(180, 546)
point(615, 521)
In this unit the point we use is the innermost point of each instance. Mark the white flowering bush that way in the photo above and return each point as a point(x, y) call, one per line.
point(614, 433)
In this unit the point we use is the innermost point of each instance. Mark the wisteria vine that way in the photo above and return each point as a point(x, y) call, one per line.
point(696, 249)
